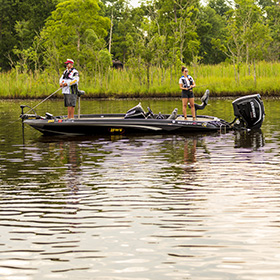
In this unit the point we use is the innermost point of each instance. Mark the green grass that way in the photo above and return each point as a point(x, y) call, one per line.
point(128, 83)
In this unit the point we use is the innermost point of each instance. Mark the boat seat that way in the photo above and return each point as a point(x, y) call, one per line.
point(135, 112)
point(173, 115)
point(81, 92)
point(204, 99)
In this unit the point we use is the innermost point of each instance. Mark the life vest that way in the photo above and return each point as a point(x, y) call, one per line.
point(66, 74)
point(190, 79)
point(186, 83)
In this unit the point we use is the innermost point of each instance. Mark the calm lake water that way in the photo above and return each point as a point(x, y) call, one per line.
point(166, 207)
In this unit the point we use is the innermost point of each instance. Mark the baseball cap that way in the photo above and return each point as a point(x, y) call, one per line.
point(69, 61)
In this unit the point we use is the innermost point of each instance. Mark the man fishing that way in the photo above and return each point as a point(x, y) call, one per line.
point(69, 83)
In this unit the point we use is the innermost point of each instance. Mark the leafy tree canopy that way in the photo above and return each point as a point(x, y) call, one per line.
point(75, 29)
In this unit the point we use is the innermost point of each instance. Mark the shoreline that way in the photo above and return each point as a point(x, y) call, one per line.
point(228, 97)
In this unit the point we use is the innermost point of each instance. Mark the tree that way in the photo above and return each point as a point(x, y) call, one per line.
point(20, 21)
point(219, 6)
point(75, 29)
point(119, 13)
point(258, 39)
point(178, 22)
point(245, 37)
point(272, 9)
point(211, 25)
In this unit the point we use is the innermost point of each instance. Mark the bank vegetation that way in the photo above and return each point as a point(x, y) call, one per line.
point(221, 80)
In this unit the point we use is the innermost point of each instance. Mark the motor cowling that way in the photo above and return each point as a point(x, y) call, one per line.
point(249, 110)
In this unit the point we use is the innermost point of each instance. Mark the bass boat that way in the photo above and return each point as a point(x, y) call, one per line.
point(248, 111)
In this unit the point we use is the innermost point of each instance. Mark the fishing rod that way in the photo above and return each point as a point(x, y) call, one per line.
point(32, 109)
point(206, 85)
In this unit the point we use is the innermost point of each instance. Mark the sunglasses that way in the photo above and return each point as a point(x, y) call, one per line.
point(186, 70)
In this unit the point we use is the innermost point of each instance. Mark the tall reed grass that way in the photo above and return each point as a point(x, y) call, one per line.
point(221, 80)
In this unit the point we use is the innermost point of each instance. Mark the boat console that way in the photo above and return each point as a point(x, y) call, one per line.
point(137, 112)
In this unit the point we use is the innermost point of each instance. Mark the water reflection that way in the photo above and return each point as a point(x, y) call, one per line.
point(70, 157)
point(152, 207)
point(249, 139)
point(190, 150)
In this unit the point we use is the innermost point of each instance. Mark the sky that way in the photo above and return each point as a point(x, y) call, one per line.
point(134, 3)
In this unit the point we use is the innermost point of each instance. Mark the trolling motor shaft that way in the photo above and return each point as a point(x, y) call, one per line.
point(25, 116)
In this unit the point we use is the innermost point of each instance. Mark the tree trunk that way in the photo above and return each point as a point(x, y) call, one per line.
point(111, 32)
point(255, 74)
point(148, 74)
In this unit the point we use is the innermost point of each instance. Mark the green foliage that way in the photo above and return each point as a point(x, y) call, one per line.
point(74, 32)
point(211, 27)
point(272, 8)
point(20, 21)
point(219, 79)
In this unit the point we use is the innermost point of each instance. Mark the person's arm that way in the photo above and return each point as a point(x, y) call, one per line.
point(75, 79)
point(181, 86)
point(193, 83)
point(61, 82)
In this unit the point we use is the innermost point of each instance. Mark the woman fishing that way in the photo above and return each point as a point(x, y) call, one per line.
point(187, 83)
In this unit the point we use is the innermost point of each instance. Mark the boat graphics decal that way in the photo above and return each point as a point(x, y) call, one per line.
point(190, 123)
point(113, 130)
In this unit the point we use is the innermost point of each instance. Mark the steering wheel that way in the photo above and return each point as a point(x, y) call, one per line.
point(150, 113)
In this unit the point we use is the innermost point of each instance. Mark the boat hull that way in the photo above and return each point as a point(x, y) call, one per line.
point(116, 124)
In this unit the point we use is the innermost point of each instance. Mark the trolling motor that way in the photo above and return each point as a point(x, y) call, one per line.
point(248, 111)
point(24, 116)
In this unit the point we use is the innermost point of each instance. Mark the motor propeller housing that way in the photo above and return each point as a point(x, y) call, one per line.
point(249, 110)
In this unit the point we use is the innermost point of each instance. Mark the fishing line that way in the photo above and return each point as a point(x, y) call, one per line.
point(44, 100)
point(32, 109)
point(206, 85)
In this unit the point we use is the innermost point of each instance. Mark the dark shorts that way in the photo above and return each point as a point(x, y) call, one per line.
point(187, 94)
point(70, 100)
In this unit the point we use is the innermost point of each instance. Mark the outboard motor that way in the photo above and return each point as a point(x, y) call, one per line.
point(249, 110)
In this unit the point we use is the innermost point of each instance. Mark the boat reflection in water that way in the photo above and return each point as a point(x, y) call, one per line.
point(253, 139)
